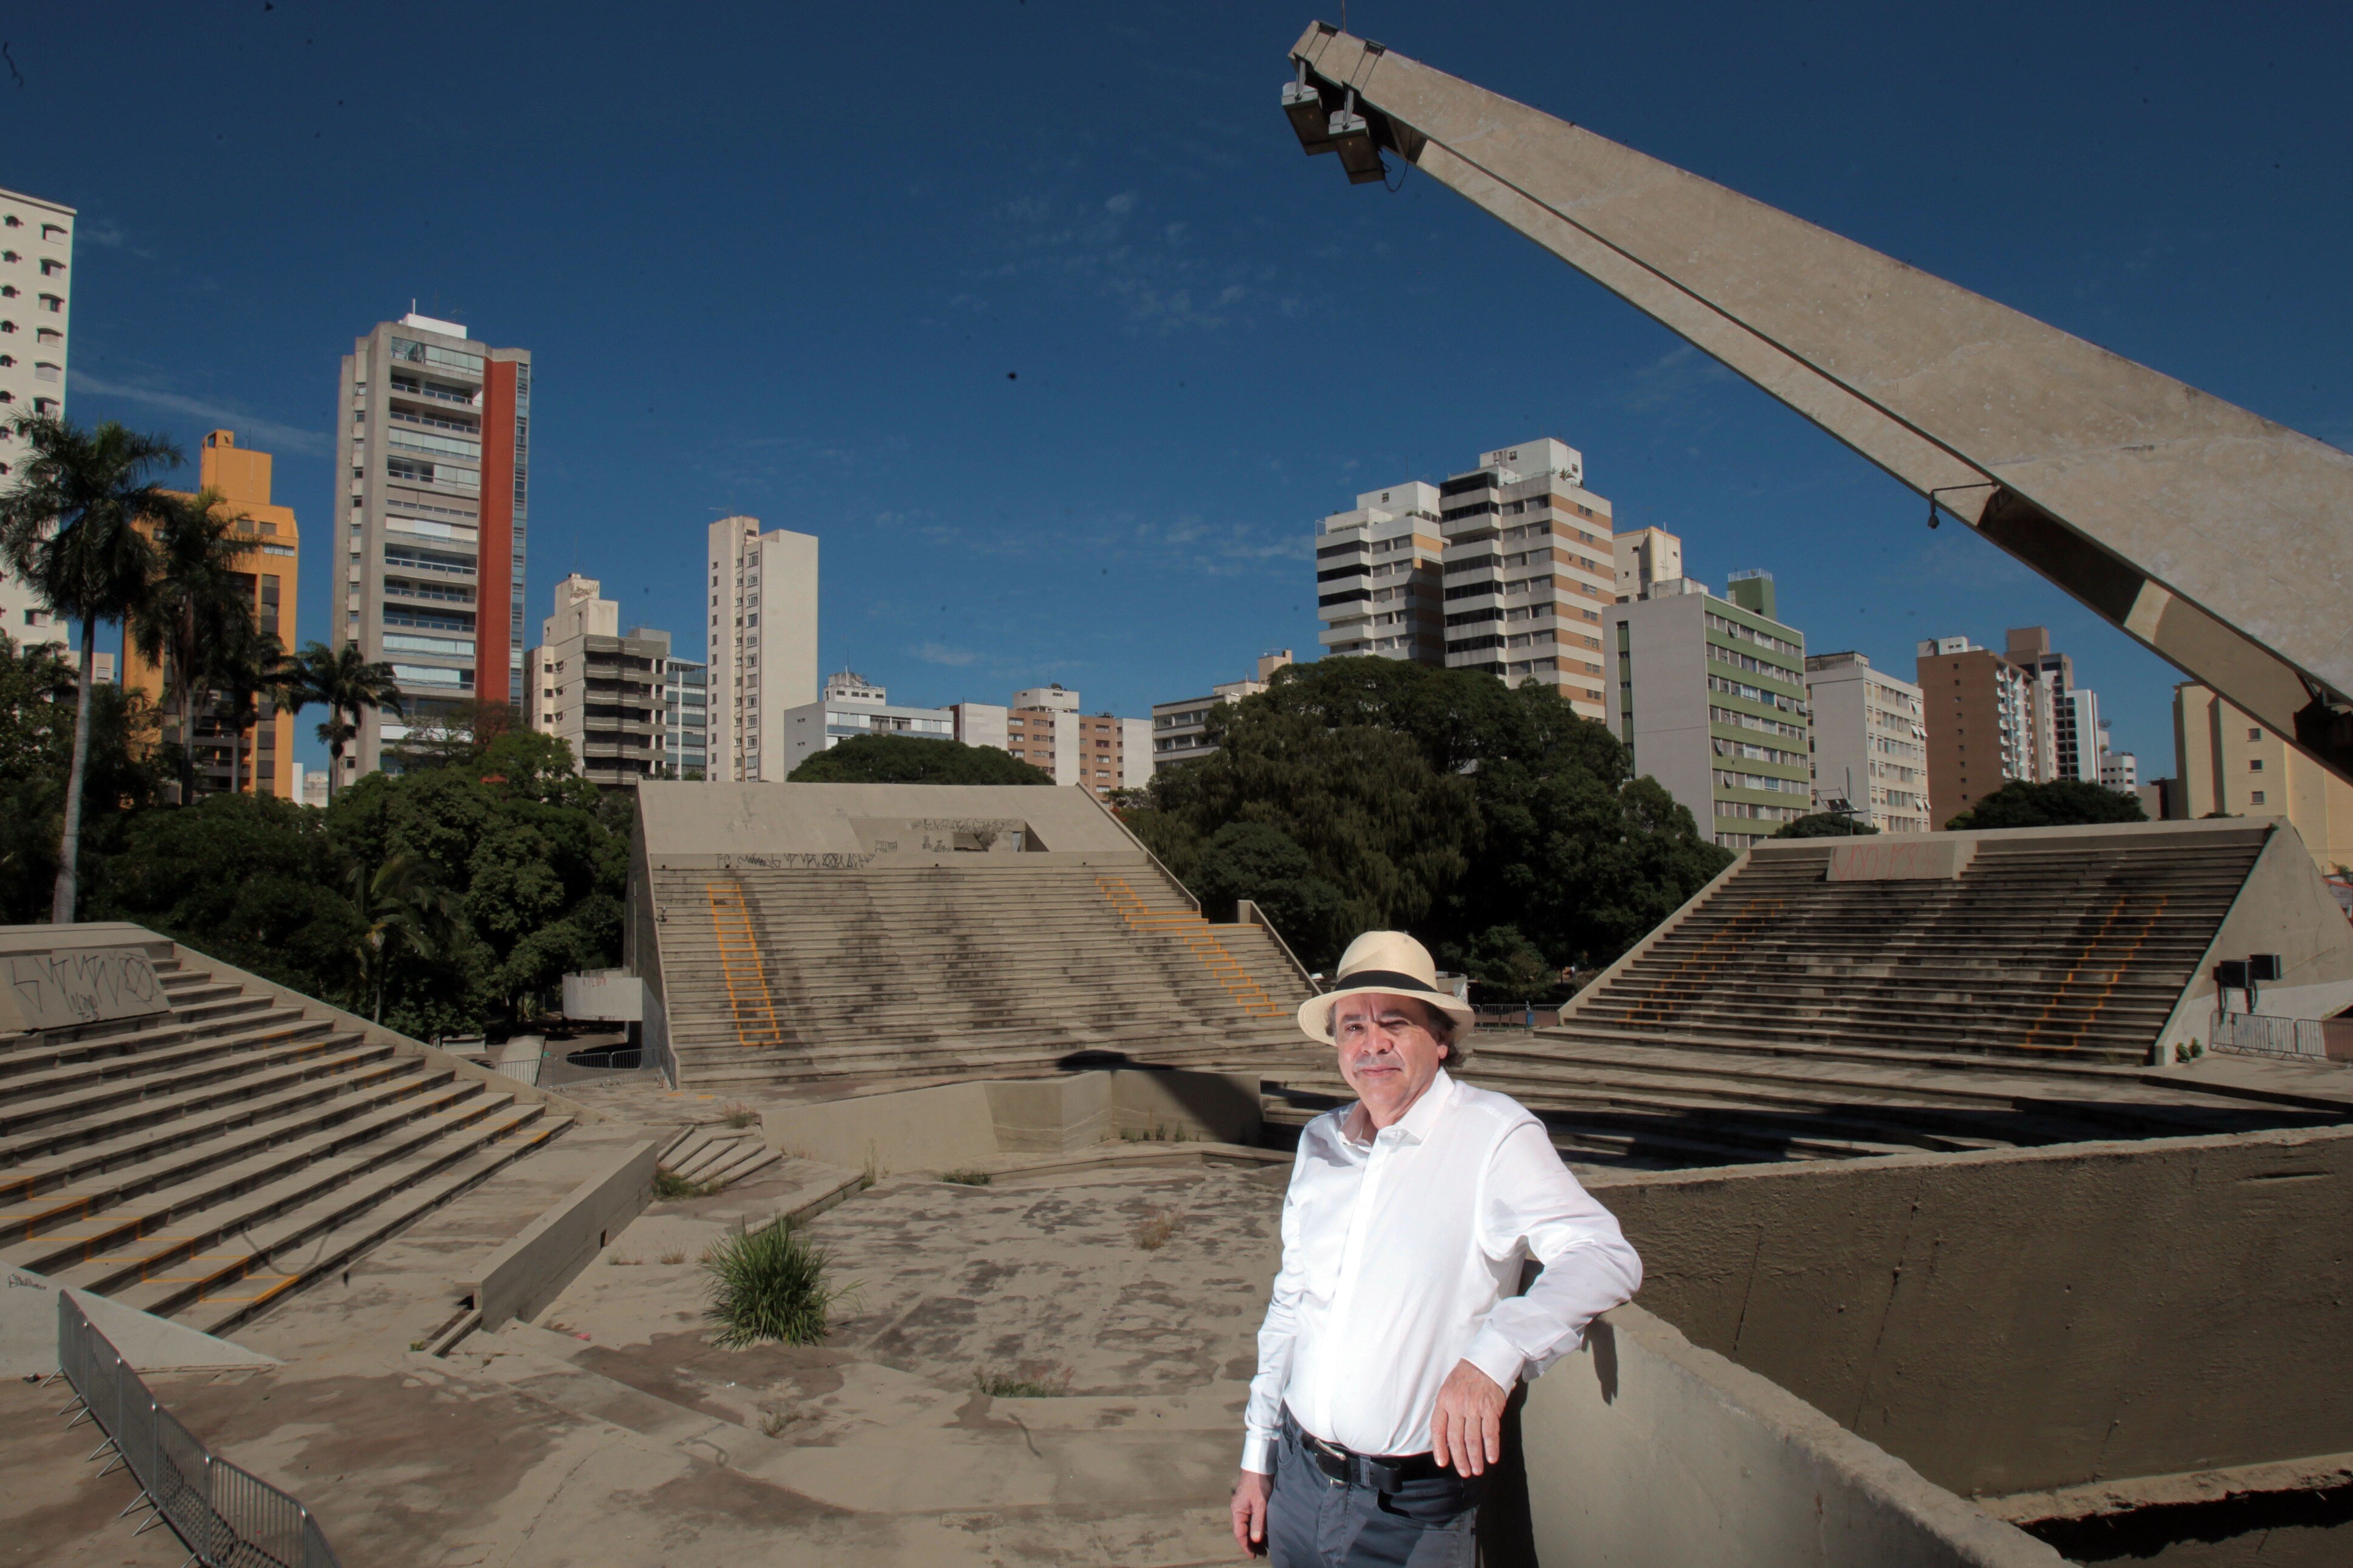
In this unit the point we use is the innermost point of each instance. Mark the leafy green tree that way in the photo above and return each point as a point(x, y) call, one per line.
point(1258, 862)
point(347, 684)
point(195, 614)
point(1439, 801)
point(2061, 802)
point(909, 759)
point(1826, 825)
point(69, 529)
point(403, 911)
point(254, 881)
point(1507, 963)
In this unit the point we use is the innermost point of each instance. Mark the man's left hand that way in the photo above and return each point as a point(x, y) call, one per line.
point(1467, 1429)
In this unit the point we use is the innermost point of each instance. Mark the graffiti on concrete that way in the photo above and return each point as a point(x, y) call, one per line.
point(52, 990)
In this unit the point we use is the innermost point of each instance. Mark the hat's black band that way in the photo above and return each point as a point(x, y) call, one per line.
point(1384, 980)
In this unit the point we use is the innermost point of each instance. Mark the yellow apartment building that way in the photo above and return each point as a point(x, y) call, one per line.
point(270, 565)
point(2235, 765)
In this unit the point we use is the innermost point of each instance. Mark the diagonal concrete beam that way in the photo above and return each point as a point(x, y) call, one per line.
point(2220, 540)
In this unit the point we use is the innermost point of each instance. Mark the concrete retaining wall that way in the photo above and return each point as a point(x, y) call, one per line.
point(2029, 1320)
point(1644, 1451)
point(530, 1271)
point(965, 1124)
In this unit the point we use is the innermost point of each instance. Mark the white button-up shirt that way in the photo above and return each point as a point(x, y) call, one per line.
point(1398, 1255)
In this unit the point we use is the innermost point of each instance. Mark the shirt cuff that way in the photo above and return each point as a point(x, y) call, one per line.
point(1257, 1453)
point(1497, 1356)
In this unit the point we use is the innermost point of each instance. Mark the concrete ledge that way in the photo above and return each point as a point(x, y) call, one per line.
point(530, 1271)
point(1645, 1452)
point(972, 1125)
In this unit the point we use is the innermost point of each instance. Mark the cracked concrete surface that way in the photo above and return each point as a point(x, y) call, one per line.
point(611, 1431)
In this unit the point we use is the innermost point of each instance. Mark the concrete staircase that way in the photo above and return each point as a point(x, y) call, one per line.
point(712, 1157)
point(824, 977)
point(203, 1162)
point(2036, 951)
point(1785, 1017)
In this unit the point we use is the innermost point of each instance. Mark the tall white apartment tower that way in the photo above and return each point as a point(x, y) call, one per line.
point(433, 454)
point(763, 609)
point(36, 303)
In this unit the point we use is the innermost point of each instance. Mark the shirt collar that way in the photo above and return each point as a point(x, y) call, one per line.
point(1420, 1118)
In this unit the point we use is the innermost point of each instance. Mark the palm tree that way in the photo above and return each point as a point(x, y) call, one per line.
point(196, 611)
point(346, 682)
point(69, 529)
point(400, 907)
point(256, 667)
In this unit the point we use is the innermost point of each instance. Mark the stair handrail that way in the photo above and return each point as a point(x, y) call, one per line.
point(223, 1514)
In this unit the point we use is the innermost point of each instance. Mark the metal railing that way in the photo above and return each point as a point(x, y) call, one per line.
point(226, 1517)
point(2259, 1033)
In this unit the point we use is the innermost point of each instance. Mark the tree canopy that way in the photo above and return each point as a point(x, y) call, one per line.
point(2061, 802)
point(910, 759)
point(1493, 823)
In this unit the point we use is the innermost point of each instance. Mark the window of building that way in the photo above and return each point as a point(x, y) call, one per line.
point(2257, 797)
point(52, 302)
point(53, 231)
point(49, 268)
point(2256, 735)
point(2254, 764)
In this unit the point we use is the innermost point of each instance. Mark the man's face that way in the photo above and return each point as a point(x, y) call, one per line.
point(1386, 1052)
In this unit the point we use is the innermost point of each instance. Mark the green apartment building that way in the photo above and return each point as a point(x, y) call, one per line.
point(1710, 693)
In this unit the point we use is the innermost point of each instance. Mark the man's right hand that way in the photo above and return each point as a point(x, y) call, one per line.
point(1251, 1493)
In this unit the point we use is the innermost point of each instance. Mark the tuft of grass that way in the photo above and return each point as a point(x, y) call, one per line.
point(416, 1344)
point(1156, 1133)
point(773, 1423)
point(769, 1284)
point(675, 1255)
point(671, 1188)
point(1153, 1231)
point(737, 1114)
point(1005, 1385)
point(618, 1261)
point(965, 1178)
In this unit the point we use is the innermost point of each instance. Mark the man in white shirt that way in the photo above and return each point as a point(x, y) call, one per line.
point(1393, 1339)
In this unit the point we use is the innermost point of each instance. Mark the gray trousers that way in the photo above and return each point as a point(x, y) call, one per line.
point(1313, 1521)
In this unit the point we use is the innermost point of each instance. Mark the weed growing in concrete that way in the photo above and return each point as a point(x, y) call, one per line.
point(618, 1261)
point(965, 1178)
point(773, 1423)
point(1153, 1231)
point(870, 1174)
point(1005, 1385)
point(671, 1188)
point(737, 1114)
point(769, 1284)
point(416, 1344)
point(1156, 1133)
point(675, 1255)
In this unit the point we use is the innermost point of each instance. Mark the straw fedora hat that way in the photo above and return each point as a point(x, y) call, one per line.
point(1388, 962)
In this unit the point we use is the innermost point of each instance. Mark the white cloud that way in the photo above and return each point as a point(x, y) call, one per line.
point(265, 433)
point(940, 653)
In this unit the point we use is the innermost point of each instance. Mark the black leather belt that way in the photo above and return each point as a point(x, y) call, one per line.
point(1386, 1473)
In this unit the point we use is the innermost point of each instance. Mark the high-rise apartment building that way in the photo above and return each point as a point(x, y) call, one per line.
point(2119, 771)
point(853, 706)
point(1515, 576)
point(35, 315)
point(1642, 558)
point(763, 609)
point(1869, 743)
point(1180, 729)
point(1988, 721)
point(433, 457)
point(1711, 699)
point(597, 689)
point(268, 570)
point(1045, 729)
point(2229, 763)
point(1379, 578)
point(2072, 745)
point(686, 717)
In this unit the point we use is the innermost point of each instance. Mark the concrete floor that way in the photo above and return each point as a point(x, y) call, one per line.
point(610, 1431)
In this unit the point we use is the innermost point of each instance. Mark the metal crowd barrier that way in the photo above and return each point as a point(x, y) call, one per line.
point(227, 1518)
point(2260, 1035)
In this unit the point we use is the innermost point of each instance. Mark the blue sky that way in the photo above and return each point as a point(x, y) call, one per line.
point(1034, 312)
